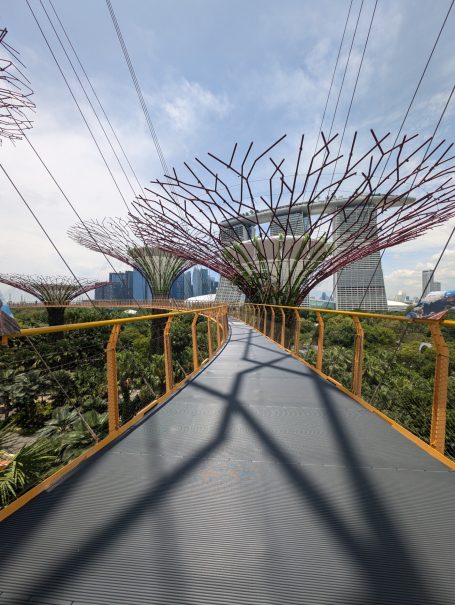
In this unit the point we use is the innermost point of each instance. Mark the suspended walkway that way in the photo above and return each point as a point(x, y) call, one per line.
point(258, 483)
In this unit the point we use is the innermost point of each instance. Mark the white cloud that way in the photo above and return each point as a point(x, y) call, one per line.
point(187, 105)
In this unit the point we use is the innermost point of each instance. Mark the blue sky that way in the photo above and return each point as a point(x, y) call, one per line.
point(213, 73)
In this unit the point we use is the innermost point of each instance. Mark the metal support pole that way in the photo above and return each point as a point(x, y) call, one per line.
point(272, 324)
point(112, 379)
point(441, 378)
point(209, 333)
point(194, 340)
point(264, 331)
point(168, 355)
point(358, 358)
point(320, 341)
point(283, 323)
point(298, 322)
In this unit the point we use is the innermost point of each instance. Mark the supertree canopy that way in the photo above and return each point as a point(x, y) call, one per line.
point(277, 232)
point(55, 292)
point(113, 236)
point(15, 93)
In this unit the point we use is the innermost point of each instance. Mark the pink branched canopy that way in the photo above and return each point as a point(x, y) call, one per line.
point(58, 291)
point(15, 93)
point(277, 237)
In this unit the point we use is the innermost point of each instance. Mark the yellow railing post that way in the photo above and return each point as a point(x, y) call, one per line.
point(283, 323)
point(298, 321)
point(218, 335)
point(257, 322)
point(194, 341)
point(264, 331)
point(320, 341)
point(112, 379)
point(168, 355)
point(209, 333)
point(441, 376)
point(253, 322)
point(358, 358)
point(272, 324)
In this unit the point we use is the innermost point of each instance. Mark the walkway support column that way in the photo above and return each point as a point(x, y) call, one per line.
point(194, 342)
point(441, 379)
point(320, 341)
point(358, 358)
point(112, 379)
point(298, 321)
point(168, 355)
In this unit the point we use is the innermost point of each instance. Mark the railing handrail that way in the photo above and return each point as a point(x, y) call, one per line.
point(107, 322)
point(448, 322)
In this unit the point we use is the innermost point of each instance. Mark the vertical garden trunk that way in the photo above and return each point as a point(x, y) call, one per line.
point(156, 345)
point(56, 317)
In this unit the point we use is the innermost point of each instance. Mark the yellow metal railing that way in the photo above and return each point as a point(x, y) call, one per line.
point(264, 318)
point(216, 319)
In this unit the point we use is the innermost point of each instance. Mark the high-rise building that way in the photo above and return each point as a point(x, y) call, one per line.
point(187, 285)
point(178, 288)
point(437, 286)
point(428, 283)
point(201, 283)
point(125, 285)
point(360, 285)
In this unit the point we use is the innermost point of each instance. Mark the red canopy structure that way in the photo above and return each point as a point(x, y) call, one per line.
point(15, 93)
point(277, 236)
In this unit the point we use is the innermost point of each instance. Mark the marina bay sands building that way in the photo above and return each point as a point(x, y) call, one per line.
point(360, 285)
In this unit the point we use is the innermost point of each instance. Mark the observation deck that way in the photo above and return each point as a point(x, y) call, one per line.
point(258, 482)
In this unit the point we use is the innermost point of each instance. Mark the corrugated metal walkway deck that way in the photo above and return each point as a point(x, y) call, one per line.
point(257, 483)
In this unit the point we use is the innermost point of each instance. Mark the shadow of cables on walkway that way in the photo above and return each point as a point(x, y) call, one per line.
point(382, 554)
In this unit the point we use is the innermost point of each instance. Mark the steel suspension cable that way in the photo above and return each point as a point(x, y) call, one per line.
point(424, 71)
point(78, 106)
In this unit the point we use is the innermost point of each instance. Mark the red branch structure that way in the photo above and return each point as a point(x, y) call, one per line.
point(277, 238)
point(55, 292)
point(114, 237)
point(15, 93)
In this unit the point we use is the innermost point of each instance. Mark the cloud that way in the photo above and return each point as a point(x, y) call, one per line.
point(188, 106)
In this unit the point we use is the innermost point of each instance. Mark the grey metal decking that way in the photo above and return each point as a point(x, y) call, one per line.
point(257, 483)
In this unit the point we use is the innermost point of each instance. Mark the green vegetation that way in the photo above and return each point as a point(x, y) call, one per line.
point(55, 391)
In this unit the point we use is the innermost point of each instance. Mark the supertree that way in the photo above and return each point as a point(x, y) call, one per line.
point(277, 245)
point(114, 237)
point(15, 93)
point(54, 292)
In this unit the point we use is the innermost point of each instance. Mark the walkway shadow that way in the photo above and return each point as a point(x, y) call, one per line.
point(383, 556)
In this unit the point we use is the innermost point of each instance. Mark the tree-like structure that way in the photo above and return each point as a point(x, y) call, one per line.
point(15, 93)
point(277, 237)
point(114, 237)
point(54, 292)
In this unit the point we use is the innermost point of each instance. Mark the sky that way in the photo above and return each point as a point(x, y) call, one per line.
point(212, 74)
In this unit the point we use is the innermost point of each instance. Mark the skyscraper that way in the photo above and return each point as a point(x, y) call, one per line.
point(428, 282)
point(178, 288)
point(187, 285)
